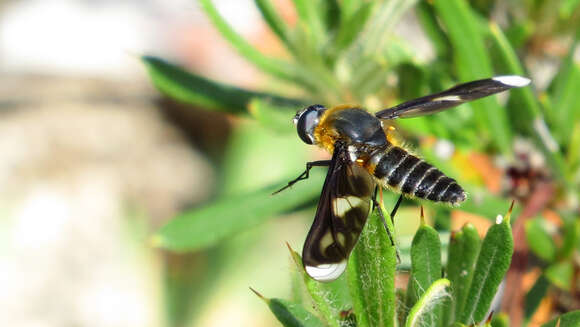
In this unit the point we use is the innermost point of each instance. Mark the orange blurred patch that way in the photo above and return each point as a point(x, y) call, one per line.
point(466, 167)
point(530, 278)
point(489, 173)
point(552, 217)
point(543, 313)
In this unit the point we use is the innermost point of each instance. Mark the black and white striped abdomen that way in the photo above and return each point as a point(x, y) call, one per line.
point(399, 169)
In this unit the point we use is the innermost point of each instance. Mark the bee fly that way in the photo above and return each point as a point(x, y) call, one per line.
point(363, 159)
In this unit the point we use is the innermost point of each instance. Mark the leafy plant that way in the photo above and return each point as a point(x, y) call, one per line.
point(346, 52)
point(474, 271)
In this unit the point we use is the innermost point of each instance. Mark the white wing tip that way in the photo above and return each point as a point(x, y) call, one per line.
point(512, 80)
point(326, 272)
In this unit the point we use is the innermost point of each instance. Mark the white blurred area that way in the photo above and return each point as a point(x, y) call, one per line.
point(89, 166)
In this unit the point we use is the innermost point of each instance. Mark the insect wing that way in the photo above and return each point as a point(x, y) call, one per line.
point(452, 97)
point(340, 217)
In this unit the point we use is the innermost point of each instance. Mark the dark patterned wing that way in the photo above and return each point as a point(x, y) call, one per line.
point(343, 209)
point(452, 97)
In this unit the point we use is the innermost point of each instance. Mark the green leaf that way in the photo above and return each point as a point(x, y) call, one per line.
point(371, 274)
point(276, 23)
point(570, 319)
point(566, 97)
point(348, 8)
point(472, 62)
point(492, 264)
point(380, 25)
point(428, 20)
point(567, 8)
point(560, 274)
point(571, 230)
point(318, 292)
point(310, 20)
point(228, 216)
point(276, 67)
point(193, 89)
point(573, 156)
point(351, 28)
point(463, 250)
point(535, 296)
point(425, 267)
point(539, 241)
point(297, 287)
point(526, 114)
point(332, 13)
point(291, 314)
point(529, 109)
point(421, 313)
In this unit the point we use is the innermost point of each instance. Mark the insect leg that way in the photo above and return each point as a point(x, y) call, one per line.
point(305, 174)
point(376, 206)
point(396, 208)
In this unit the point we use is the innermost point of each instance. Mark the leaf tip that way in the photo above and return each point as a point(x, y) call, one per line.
point(295, 256)
point(489, 317)
point(258, 294)
point(453, 235)
point(289, 247)
point(509, 213)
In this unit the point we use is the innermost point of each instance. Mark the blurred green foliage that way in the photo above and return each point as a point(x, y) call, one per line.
point(346, 52)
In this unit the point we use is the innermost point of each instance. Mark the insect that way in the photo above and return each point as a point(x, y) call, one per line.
point(363, 159)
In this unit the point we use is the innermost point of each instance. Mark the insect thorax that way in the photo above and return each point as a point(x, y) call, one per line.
point(350, 125)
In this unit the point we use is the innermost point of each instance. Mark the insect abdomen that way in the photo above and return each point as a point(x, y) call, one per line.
point(412, 176)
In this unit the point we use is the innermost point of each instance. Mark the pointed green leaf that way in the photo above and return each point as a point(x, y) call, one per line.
point(330, 12)
point(321, 297)
point(510, 62)
point(528, 116)
point(291, 314)
point(571, 230)
point(570, 319)
point(463, 250)
point(371, 274)
point(492, 263)
point(421, 313)
point(379, 26)
point(534, 296)
point(561, 274)
point(193, 89)
point(276, 67)
point(351, 28)
point(566, 97)
point(226, 217)
point(539, 241)
point(276, 23)
point(425, 267)
point(348, 8)
point(472, 62)
point(428, 20)
point(310, 20)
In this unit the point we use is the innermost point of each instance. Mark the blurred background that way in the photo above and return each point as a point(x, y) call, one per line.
point(94, 160)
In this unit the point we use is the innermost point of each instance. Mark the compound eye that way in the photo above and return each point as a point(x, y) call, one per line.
point(307, 120)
